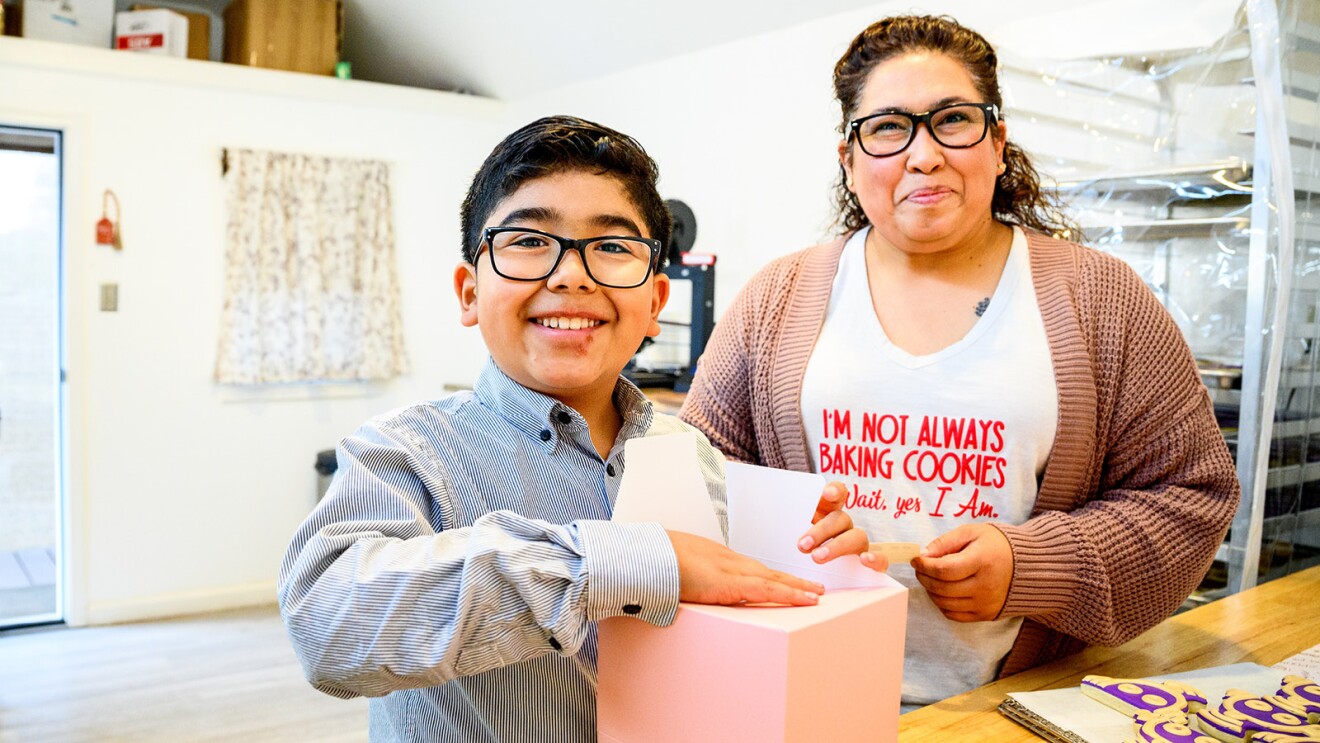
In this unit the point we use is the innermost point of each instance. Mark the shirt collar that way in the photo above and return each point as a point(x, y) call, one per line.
point(633, 405)
point(534, 413)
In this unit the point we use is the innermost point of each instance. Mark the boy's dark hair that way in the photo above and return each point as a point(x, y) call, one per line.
point(557, 144)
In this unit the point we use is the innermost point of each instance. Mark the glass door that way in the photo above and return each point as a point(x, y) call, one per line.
point(31, 419)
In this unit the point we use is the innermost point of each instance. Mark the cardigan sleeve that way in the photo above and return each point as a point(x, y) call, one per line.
point(719, 402)
point(1140, 538)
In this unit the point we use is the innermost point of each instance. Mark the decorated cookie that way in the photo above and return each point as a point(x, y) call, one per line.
point(1283, 738)
point(1302, 694)
point(1147, 699)
point(1244, 716)
point(1169, 730)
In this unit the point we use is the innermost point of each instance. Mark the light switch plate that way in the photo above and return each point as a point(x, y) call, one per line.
point(109, 297)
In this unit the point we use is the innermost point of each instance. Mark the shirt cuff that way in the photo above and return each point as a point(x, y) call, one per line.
point(1045, 567)
point(631, 571)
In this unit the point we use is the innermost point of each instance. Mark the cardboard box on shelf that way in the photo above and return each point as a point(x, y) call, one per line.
point(11, 18)
point(201, 30)
point(296, 35)
point(161, 32)
point(85, 22)
point(757, 673)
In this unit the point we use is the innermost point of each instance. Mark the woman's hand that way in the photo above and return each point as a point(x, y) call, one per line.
point(710, 573)
point(832, 533)
point(967, 572)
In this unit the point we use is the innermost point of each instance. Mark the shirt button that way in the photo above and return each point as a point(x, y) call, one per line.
point(631, 609)
point(609, 470)
point(545, 435)
point(563, 417)
point(555, 644)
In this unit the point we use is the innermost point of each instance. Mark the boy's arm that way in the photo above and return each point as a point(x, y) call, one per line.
point(377, 596)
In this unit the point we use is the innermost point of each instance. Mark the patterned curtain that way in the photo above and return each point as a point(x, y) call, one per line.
point(311, 291)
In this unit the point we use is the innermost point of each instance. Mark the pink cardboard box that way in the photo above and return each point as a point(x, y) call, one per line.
point(759, 674)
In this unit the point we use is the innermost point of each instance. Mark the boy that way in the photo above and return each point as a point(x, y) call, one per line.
point(463, 554)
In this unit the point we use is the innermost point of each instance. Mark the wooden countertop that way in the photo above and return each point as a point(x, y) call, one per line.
point(1262, 625)
point(664, 399)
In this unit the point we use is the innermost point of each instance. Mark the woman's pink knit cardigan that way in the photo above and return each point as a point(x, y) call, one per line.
point(1139, 488)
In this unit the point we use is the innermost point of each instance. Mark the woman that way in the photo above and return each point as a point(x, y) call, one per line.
point(1020, 405)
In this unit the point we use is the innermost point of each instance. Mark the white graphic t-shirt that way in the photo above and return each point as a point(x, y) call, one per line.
point(929, 443)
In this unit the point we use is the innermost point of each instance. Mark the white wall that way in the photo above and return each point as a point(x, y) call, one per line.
point(745, 133)
point(183, 495)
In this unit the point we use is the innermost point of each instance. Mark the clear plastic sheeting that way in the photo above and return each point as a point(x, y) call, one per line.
point(1153, 154)
point(1198, 166)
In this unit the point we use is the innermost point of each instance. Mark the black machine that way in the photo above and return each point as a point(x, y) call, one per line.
point(645, 370)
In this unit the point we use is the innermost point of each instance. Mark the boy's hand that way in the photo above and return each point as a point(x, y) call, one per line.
point(832, 533)
point(710, 573)
point(967, 572)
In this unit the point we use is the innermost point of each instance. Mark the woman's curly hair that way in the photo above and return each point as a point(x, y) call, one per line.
point(1018, 198)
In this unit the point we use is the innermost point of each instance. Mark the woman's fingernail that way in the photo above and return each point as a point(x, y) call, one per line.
point(868, 558)
point(811, 597)
point(820, 553)
point(805, 543)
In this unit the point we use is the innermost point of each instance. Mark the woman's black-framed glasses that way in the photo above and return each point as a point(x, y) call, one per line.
point(617, 261)
point(959, 126)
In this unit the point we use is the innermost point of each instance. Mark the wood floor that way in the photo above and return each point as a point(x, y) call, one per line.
point(227, 677)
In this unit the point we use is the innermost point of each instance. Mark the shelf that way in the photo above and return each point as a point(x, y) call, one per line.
point(1286, 428)
point(1220, 178)
point(1293, 474)
point(1304, 330)
point(1302, 528)
point(1304, 36)
point(1222, 378)
point(1290, 379)
point(1193, 183)
point(1307, 230)
point(196, 73)
point(1293, 429)
point(1164, 229)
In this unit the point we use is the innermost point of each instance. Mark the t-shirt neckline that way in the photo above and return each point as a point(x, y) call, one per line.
point(1014, 268)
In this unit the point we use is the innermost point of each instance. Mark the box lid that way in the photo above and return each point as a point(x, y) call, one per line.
point(793, 618)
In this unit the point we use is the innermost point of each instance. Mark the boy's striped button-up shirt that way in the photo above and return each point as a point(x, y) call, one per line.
point(461, 557)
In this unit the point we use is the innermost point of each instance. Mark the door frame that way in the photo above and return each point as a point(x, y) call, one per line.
point(73, 287)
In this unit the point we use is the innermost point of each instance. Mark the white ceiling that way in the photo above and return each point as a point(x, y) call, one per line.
point(508, 48)
point(504, 49)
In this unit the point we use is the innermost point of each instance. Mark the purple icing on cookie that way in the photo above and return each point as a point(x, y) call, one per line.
point(1285, 738)
point(1302, 693)
point(1170, 731)
point(1139, 695)
point(1242, 714)
point(1144, 698)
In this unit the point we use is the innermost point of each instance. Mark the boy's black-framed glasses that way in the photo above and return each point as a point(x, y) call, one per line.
point(617, 261)
point(959, 125)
